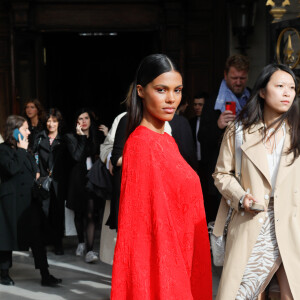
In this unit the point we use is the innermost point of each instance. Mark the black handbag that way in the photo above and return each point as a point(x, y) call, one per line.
point(44, 183)
point(42, 186)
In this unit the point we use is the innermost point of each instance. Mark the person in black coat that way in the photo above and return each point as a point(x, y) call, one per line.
point(50, 152)
point(182, 133)
point(21, 218)
point(214, 120)
point(83, 147)
point(115, 169)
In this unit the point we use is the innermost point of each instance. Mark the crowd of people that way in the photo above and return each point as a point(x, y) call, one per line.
point(34, 147)
point(149, 164)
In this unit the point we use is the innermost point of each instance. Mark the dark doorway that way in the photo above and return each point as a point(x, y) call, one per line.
point(93, 70)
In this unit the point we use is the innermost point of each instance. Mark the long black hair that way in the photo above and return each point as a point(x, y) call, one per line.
point(253, 111)
point(150, 67)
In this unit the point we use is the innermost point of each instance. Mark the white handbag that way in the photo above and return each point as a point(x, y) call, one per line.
point(218, 243)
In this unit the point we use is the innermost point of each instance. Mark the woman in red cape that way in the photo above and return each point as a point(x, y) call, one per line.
point(162, 249)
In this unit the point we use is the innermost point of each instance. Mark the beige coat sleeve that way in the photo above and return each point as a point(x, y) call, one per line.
point(106, 147)
point(224, 174)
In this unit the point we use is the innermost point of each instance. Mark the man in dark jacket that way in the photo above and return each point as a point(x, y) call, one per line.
point(195, 122)
point(215, 120)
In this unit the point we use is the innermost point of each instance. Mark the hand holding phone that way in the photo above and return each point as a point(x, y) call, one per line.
point(251, 205)
point(225, 117)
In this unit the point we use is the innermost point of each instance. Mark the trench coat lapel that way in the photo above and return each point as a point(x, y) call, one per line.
point(255, 150)
point(286, 159)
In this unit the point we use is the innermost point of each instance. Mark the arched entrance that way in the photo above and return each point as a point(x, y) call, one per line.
point(92, 70)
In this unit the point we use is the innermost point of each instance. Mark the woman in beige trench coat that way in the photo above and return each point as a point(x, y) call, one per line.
point(262, 244)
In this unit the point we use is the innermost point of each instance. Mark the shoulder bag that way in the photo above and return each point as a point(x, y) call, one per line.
point(218, 243)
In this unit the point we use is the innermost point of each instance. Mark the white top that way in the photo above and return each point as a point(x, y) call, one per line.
point(274, 158)
point(107, 146)
point(197, 141)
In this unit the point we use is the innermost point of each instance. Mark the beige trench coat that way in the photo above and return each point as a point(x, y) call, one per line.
point(244, 228)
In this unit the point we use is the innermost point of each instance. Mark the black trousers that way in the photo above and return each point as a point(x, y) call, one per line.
point(211, 195)
point(56, 219)
point(37, 238)
point(34, 234)
point(39, 255)
point(5, 260)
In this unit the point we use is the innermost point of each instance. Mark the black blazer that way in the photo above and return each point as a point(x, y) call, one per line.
point(210, 137)
point(52, 158)
point(17, 172)
point(79, 148)
point(117, 152)
point(193, 124)
point(182, 133)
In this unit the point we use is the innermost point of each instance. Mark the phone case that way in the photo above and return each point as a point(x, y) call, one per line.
point(230, 105)
point(16, 134)
point(257, 207)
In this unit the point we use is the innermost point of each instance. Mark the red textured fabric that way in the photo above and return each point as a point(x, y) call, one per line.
point(162, 249)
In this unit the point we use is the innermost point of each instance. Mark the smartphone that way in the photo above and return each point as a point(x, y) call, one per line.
point(230, 105)
point(257, 207)
point(16, 134)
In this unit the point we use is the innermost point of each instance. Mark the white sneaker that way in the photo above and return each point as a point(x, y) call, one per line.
point(91, 257)
point(80, 249)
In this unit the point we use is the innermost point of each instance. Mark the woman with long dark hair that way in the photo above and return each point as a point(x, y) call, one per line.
point(263, 234)
point(50, 150)
point(162, 249)
point(35, 115)
point(21, 218)
point(84, 147)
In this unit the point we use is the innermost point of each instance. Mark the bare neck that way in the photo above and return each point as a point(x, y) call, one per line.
point(158, 127)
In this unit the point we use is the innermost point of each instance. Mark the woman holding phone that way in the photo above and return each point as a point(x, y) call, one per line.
point(162, 249)
point(84, 147)
point(263, 234)
point(21, 217)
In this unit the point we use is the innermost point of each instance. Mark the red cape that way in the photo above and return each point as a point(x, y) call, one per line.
point(162, 249)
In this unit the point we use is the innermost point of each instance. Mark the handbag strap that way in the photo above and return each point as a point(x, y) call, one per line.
point(238, 150)
point(238, 164)
point(37, 151)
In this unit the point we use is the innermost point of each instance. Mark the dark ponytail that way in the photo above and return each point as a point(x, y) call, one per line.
point(150, 67)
